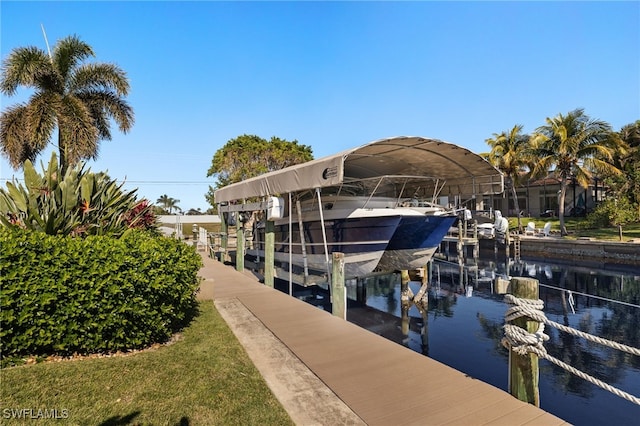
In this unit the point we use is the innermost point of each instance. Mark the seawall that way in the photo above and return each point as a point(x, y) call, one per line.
point(582, 251)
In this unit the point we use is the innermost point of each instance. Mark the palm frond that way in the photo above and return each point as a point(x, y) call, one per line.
point(42, 112)
point(100, 76)
point(68, 53)
point(602, 167)
point(14, 135)
point(25, 66)
point(79, 137)
point(105, 105)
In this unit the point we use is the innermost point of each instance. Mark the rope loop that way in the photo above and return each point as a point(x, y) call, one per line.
point(517, 338)
point(522, 342)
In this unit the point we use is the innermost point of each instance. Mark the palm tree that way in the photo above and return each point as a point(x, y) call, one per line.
point(509, 154)
point(629, 157)
point(168, 203)
point(577, 146)
point(628, 160)
point(76, 98)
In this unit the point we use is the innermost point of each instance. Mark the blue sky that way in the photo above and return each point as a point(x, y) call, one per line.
point(335, 75)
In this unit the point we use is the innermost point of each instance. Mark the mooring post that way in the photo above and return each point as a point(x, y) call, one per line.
point(423, 308)
point(476, 242)
point(405, 291)
point(361, 290)
point(406, 296)
point(404, 312)
point(240, 247)
point(224, 229)
point(269, 252)
point(424, 280)
point(194, 231)
point(338, 288)
point(523, 369)
point(460, 245)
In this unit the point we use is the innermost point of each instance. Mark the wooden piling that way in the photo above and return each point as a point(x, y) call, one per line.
point(424, 280)
point(240, 247)
point(404, 315)
point(338, 288)
point(406, 297)
point(523, 369)
point(361, 290)
point(405, 291)
point(476, 246)
point(224, 239)
point(269, 253)
point(502, 286)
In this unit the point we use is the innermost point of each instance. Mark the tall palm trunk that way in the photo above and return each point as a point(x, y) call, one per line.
point(514, 194)
point(62, 150)
point(563, 193)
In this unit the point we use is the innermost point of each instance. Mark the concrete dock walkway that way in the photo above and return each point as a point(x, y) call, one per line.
point(327, 371)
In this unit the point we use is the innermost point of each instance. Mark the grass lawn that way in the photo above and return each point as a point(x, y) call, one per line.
point(575, 227)
point(205, 378)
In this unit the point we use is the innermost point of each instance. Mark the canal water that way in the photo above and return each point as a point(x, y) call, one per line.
point(462, 328)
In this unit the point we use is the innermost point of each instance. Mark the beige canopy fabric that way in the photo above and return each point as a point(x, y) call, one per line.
point(455, 171)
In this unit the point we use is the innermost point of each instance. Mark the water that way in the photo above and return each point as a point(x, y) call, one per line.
point(462, 328)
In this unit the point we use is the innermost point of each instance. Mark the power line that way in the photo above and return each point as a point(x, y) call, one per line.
point(145, 182)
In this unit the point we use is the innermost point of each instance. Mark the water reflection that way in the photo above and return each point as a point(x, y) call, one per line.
point(462, 326)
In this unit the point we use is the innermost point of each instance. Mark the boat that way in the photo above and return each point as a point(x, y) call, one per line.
point(378, 204)
point(375, 233)
point(361, 234)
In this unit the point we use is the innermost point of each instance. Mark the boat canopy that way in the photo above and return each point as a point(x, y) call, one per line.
point(452, 169)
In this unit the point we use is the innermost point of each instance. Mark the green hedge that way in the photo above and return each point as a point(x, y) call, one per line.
point(64, 295)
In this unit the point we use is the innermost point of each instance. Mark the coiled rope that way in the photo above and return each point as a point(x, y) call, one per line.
point(522, 342)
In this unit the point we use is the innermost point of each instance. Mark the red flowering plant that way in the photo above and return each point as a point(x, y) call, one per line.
point(141, 216)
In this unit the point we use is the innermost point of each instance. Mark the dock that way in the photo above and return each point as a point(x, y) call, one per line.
point(325, 370)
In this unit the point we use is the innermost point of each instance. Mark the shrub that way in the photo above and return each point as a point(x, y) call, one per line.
point(64, 295)
point(78, 203)
point(613, 212)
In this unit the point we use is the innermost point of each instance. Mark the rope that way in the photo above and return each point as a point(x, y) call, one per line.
point(533, 310)
point(587, 377)
point(522, 342)
point(571, 302)
point(606, 299)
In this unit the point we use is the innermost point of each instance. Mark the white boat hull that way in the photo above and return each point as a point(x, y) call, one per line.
point(380, 238)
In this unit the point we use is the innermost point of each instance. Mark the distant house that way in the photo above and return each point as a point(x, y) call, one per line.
point(172, 224)
point(538, 198)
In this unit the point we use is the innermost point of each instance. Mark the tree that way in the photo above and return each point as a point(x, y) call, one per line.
point(616, 211)
point(248, 155)
point(75, 98)
point(628, 160)
point(577, 146)
point(509, 154)
point(168, 203)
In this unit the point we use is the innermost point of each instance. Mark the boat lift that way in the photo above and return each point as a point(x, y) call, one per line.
point(455, 172)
